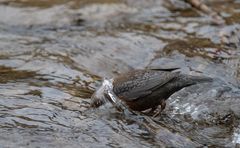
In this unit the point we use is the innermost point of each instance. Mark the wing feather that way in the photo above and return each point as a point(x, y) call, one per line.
point(140, 83)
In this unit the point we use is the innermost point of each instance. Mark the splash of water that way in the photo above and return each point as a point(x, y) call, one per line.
point(236, 136)
point(105, 94)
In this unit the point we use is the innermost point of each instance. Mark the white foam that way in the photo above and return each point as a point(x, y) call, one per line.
point(236, 136)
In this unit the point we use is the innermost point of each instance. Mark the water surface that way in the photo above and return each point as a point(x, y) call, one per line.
point(53, 55)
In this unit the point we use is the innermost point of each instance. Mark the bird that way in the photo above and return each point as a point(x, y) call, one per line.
point(146, 89)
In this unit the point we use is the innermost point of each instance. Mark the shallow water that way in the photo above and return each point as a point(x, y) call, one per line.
point(55, 53)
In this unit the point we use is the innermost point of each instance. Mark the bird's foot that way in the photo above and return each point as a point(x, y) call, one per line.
point(159, 111)
point(150, 112)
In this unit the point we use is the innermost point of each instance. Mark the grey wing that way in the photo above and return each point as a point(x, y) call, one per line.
point(143, 85)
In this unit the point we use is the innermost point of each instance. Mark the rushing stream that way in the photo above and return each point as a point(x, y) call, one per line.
point(54, 55)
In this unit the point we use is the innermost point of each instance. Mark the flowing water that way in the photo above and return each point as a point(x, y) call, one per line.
point(54, 54)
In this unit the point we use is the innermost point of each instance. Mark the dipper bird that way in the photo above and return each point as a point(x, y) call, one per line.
point(147, 89)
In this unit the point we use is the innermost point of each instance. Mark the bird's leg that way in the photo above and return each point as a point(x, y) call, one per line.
point(163, 105)
point(151, 111)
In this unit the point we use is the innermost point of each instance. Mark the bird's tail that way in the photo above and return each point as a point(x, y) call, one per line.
point(200, 79)
point(191, 80)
